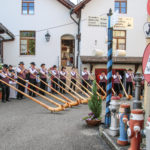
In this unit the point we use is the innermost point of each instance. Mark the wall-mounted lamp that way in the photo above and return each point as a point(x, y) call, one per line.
point(47, 36)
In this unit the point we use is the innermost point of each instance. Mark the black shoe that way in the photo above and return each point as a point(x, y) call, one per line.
point(7, 100)
point(3, 101)
point(34, 95)
point(19, 98)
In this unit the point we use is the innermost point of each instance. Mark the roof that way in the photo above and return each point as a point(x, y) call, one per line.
point(5, 34)
point(116, 60)
point(67, 3)
point(80, 5)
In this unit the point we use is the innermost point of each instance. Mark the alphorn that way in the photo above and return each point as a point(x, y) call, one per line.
point(33, 99)
point(127, 96)
point(81, 86)
point(66, 104)
point(83, 100)
point(99, 86)
point(86, 83)
point(66, 90)
point(66, 98)
point(44, 97)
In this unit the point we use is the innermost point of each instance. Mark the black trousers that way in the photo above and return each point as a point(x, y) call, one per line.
point(21, 88)
point(33, 81)
point(5, 92)
point(62, 85)
point(129, 85)
point(42, 86)
point(54, 85)
point(72, 85)
point(103, 86)
point(117, 88)
point(85, 85)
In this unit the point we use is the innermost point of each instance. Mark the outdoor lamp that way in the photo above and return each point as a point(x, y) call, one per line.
point(47, 36)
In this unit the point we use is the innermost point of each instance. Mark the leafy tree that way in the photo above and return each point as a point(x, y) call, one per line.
point(95, 103)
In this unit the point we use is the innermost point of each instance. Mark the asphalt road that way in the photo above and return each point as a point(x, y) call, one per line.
point(25, 125)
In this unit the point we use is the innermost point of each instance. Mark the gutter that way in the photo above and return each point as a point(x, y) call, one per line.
point(78, 34)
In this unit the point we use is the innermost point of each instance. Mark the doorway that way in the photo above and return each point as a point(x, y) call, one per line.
point(67, 50)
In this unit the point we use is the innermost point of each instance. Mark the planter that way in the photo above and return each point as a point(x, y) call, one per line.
point(93, 122)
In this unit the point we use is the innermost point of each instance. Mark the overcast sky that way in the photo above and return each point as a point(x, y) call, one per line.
point(74, 1)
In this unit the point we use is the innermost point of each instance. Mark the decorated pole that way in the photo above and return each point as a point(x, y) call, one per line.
point(109, 71)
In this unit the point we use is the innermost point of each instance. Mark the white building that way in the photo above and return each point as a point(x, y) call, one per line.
point(94, 37)
point(29, 21)
point(71, 35)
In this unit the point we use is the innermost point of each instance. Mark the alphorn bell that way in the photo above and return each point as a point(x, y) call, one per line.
point(33, 99)
point(99, 87)
point(127, 96)
point(44, 97)
point(83, 100)
point(66, 104)
point(72, 103)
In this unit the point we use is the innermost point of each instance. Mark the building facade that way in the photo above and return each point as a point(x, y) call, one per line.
point(70, 34)
point(30, 21)
point(94, 38)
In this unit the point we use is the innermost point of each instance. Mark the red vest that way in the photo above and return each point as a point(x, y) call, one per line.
point(6, 79)
point(23, 75)
point(85, 77)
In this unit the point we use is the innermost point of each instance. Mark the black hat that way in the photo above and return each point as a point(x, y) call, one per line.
point(21, 63)
point(54, 66)
point(42, 65)
point(5, 66)
point(32, 63)
point(129, 69)
point(10, 66)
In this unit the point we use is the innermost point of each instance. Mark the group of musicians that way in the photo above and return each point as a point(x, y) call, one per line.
point(59, 77)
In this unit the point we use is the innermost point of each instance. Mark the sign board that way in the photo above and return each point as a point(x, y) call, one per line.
point(146, 63)
point(101, 21)
point(124, 23)
point(147, 29)
point(93, 21)
point(148, 7)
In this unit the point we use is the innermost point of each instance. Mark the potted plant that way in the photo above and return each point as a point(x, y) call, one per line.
point(95, 105)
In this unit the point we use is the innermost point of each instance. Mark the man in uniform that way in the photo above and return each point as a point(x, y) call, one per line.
point(85, 76)
point(33, 72)
point(21, 72)
point(5, 88)
point(102, 82)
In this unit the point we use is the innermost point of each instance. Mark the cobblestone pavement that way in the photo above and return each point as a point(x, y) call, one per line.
point(25, 125)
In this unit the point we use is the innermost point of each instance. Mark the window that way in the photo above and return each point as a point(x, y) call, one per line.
point(119, 40)
point(28, 7)
point(27, 43)
point(121, 6)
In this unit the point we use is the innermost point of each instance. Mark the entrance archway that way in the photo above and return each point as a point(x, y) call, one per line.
point(67, 50)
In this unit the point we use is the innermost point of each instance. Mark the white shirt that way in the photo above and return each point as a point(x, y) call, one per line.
point(115, 76)
point(62, 73)
point(32, 71)
point(42, 72)
point(101, 77)
point(18, 70)
point(54, 72)
point(4, 75)
point(73, 73)
point(84, 73)
point(127, 75)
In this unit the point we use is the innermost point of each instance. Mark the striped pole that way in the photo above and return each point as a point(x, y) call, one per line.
point(109, 71)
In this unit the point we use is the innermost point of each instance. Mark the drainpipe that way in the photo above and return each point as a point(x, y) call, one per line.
point(78, 35)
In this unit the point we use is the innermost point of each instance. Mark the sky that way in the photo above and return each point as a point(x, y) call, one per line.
point(74, 1)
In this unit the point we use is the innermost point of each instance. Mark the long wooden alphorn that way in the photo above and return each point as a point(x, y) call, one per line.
point(66, 98)
point(44, 97)
point(66, 104)
point(65, 90)
point(87, 83)
point(99, 87)
point(127, 96)
point(81, 86)
point(33, 99)
point(83, 100)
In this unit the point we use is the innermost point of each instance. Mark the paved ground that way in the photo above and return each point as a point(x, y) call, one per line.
point(25, 125)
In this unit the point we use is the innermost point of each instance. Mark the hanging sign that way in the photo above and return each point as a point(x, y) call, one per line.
point(124, 23)
point(100, 21)
point(146, 63)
